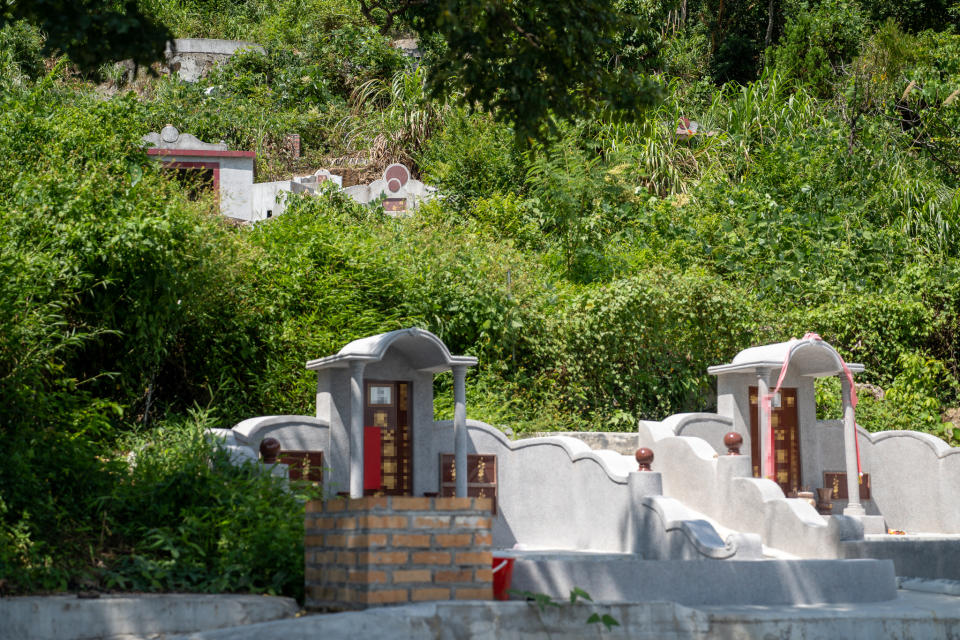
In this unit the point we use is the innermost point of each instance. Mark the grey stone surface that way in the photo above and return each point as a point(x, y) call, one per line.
point(910, 615)
point(192, 58)
point(734, 582)
point(116, 617)
point(480, 620)
point(913, 556)
point(622, 443)
point(301, 433)
point(666, 530)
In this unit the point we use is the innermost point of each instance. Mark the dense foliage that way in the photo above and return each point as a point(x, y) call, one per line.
point(595, 269)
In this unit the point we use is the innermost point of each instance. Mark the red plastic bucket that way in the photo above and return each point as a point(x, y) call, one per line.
point(502, 574)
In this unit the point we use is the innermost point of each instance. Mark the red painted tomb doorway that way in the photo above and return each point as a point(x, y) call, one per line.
point(388, 442)
point(786, 439)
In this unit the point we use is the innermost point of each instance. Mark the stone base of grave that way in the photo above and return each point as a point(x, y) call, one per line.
point(932, 556)
point(374, 551)
point(615, 577)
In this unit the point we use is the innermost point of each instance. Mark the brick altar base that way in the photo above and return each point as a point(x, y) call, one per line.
point(367, 552)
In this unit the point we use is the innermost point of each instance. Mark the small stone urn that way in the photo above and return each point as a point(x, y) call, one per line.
point(825, 501)
point(269, 450)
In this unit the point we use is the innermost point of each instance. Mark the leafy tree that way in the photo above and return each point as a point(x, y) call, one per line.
point(527, 61)
point(913, 16)
point(93, 32)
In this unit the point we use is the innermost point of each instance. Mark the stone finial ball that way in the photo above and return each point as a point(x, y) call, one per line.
point(733, 441)
point(644, 458)
point(269, 449)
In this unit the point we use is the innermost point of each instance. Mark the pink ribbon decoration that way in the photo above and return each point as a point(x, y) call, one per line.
point(766, 404)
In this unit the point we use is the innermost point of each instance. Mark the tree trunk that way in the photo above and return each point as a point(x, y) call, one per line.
point(769, 39)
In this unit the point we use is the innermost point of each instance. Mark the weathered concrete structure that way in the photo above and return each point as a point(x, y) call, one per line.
point(192, 58)
point(209, 165)
point(230, 175)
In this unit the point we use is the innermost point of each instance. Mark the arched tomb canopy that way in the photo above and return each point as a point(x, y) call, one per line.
point(422, 349)
point(808, 357)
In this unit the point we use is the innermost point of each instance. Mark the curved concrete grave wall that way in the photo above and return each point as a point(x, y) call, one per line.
point(557, 493)
point(914, 478)
point(554, 493)
point(302, 433)
point(913, 475)
point(722, 488)
point(623, 443)
point(706, 426)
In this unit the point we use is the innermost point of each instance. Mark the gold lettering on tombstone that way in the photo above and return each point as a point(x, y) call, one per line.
point(781, 455)
point(838, 480)
point(782, 476)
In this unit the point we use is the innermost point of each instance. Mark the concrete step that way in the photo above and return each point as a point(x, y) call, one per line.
point(932, 556)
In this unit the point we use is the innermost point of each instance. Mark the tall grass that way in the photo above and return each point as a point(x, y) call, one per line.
point(733, 128)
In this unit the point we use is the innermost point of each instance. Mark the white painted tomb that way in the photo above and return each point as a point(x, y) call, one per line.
point(396, 189)
point(700, 525)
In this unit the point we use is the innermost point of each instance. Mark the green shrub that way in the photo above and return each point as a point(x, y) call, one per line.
point(817, 42)
point(473, 157)
point(641, 345)
point(189, 520)
point(579, 202)
point(20, 53)
point(913, 402)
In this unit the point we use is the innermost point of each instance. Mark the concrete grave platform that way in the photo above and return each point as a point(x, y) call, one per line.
point(910, 615)
point(625, 578)
point(916, 556)
point(133, 615)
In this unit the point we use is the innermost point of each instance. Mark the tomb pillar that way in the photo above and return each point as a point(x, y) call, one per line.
point(460, 428)
point(356, 428)
point(763, 419)
point(853, 507)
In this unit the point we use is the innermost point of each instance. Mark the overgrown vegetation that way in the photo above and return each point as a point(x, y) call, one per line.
point(595, 268)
